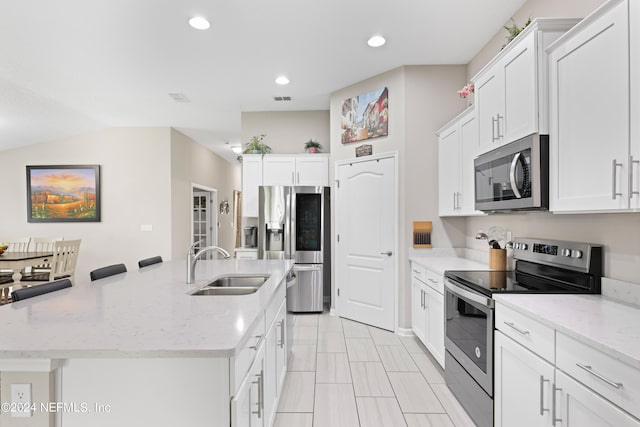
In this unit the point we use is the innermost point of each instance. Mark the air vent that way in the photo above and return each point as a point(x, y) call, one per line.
point(179, 97)
point(282, 98)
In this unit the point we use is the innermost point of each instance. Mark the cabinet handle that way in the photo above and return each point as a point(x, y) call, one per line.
point(281, 325)
point(631, 163)
point(614, 192)
point(520, 331)
point(590, 370)
point(458, 195)
point(260, 338)
point(298, 178)
point(554, 409)
point(260, 394)
point(498, 122)
point(542, 381)
point(493, 129)
point(421, 298)
point(454, 202)
point(432, 281)
point(416, 271)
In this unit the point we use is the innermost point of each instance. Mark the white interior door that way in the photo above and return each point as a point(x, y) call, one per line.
point(366, 219)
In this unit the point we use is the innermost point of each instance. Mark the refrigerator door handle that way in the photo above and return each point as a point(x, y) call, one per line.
point(314, 267)
point(289, 225)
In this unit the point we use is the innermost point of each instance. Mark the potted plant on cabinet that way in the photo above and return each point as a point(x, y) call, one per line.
point(256, 146)
point(312, 146)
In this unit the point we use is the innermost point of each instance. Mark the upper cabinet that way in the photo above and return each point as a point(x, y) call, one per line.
point(511, 91)
point(277, 169)
point(594, 91)
point(303, 169)
point(458, 146)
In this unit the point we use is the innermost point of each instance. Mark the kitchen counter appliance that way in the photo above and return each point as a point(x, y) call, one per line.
point(542, 266)
point(294, 223)
point(514, 176)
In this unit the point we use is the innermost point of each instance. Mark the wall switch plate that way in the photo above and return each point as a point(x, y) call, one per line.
point(146, 227)
point(21, 400)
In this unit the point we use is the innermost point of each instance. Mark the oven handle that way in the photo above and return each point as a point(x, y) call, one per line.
point(472, 296)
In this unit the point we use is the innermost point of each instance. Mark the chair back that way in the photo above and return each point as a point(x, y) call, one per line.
point(18, 245)
point(107, 271)
point(45, 288)
point(43, 244)
point(149, 261)
point(65, 258)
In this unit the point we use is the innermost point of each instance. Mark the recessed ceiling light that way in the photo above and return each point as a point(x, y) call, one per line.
point(282, 80)
point(236, 149)
point(376, 41)
point(199, 23)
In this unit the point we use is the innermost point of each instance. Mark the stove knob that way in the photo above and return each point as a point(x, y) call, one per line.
point(576, 254)
point(566, 252)
point(524, 246)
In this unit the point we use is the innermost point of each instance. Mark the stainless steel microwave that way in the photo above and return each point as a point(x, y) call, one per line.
point(514, 177)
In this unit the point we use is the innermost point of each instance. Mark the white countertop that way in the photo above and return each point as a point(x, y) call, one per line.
point(439, 264)
point(142, 313)
point(600, 322)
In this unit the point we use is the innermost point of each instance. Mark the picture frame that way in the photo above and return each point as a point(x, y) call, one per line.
point(63, 193)
point(365, 116)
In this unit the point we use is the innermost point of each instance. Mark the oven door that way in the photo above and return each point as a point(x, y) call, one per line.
point(469, 332)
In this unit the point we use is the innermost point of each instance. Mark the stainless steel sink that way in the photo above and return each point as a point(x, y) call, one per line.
point(238, 281)
point(233, 285)
point(226, 291)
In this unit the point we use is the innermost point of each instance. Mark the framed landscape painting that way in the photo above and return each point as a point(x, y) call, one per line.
point(69, 193)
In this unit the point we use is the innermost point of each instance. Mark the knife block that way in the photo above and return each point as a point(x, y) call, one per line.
point(497, 259)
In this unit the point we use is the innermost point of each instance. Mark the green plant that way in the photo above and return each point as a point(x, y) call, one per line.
point(312, 146)
point(257, 146)
point(514, 30)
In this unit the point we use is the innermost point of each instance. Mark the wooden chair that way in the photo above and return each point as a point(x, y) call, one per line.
point(149, 261)
point(45, 288)
point(18, 245)
point(42, 244)
point(107, 271)
point(63, 263)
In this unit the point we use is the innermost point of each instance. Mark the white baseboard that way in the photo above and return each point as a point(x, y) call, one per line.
point(405, 332)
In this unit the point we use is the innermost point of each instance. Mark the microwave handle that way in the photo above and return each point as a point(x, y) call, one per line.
point(512, 176)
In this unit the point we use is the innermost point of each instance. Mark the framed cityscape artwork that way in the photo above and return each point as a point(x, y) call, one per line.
point(365, 116)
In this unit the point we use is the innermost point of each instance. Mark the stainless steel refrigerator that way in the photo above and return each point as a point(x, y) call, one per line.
point(294, 223)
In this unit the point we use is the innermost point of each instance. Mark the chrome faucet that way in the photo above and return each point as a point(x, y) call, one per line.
point(192, 258)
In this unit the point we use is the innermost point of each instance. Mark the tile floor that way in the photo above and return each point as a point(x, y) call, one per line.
point(347, 374)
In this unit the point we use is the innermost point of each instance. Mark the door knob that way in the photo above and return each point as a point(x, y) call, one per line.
point(387, 253)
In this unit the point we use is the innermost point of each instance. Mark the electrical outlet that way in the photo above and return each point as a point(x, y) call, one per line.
point(21, 400)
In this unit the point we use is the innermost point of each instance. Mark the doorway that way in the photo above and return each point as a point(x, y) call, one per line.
point(204, 218)
point(367, 240)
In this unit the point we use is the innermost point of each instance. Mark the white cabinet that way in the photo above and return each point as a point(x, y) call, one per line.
point(458, 146)
point(593, 158)
point(309, 169)
point(511, 91)
point(247, 406)
point(275, 363)
point(577, 406)
point(521, 376)
point(427, 309)
point(251, 180)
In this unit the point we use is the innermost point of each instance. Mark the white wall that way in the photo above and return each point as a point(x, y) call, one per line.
point(135, 190)
point(191, 163)
point(287, 131)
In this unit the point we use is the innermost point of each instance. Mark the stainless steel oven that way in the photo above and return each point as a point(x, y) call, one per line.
point(514, 176)
point(543, 266)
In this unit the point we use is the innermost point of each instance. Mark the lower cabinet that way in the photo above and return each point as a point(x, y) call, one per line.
point(247, 406)
point(275, 364)
point(427, 310)
point(578, 406)
point(523, 385)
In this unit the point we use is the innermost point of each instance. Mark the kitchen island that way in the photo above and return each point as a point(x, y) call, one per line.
point(137, 348)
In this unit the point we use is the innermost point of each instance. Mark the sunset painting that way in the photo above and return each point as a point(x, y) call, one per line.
point(63, 193)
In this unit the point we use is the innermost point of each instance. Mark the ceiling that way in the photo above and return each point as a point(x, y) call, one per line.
point(73, 66)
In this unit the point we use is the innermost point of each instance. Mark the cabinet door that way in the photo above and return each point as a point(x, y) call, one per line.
point(247, 406)
point(251, 180)
point(449, 172)
point(523, 381)
point(435, 336)
point(520, 91)
point(634, 39)
point(270, 375)
point(418, 313)
point(278, 170)
point(489, 104)
point(579, 406)
point(589, 116)
point(469, 149)
point(281, 347)
point(312, 170)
